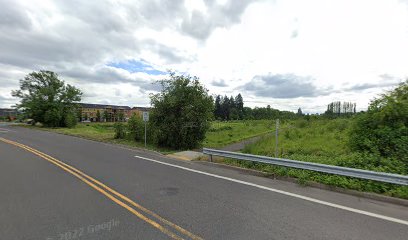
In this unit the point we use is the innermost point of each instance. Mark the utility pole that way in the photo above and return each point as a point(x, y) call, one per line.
point(277, 139)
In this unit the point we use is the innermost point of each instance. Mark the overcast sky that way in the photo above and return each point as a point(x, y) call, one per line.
point(288, 54)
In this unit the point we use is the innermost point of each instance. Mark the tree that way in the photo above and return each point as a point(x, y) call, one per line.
point(79, 114)
point(181, 112)
point(121, 116)
point(47, 99)
point(383, 129)
point(239, 104)
point(225, 108)
point(98, 115)
point(337, 109)
point(136, 127)
point(217, 108)
point(105, 115)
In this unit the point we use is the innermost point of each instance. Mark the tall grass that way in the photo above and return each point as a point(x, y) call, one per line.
point(324, 141)
point(223, 133)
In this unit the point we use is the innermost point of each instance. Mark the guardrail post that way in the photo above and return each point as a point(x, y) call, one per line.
point(342, 171)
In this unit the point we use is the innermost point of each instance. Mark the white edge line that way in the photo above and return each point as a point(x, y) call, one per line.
point(6, 130)
point(375, 215)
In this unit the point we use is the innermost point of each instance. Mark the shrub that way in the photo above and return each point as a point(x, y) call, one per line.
point(181, 112)
point(220, 129)
point(301, 123)
point(70, 120)
point(383, 129)
point(120, 130)
point(135, 127)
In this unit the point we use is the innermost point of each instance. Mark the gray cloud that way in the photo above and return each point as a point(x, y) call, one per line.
point(283, 86)
point(110, 75)
point(6, 102)
point(219, 83)
point(365, 86)
point(387, 80)
point(169, 54)
point(200, 25)
point(13, 16)
point(88, 34)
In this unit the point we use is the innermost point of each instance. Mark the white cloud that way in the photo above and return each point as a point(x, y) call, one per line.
point(343, 47)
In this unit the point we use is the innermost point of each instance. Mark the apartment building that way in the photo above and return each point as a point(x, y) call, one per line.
point(8, 113)
point(109, 113)
point(138, 110)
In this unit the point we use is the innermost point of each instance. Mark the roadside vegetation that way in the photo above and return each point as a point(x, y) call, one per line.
point(185, 116)
point(221, 133)
point(131, 133)
point(48, 100)
point(375, 140)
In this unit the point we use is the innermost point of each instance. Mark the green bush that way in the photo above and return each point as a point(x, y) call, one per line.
point(135, 127)
point(120, 130)
point(70, 120)
point(383, 129)
point(301, 123)
point(181, 112)
point(220, 129)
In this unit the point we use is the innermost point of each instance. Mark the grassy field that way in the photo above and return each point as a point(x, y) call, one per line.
point(219, 135)
point(103, 132)
point(224, 133)
point(323, 141)
point(96, 131)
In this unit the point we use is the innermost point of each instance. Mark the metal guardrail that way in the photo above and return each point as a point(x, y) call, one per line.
point(344, 171)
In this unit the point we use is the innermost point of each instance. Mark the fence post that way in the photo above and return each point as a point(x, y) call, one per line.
point(277, 139)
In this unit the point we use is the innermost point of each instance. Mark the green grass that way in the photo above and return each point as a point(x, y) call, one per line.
point(103, 132)
point(324, 141)
point(219, 135)
point(301, 139)
point(224, 133)
point(95, 131)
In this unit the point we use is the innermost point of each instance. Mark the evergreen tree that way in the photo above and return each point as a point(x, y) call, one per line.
point(239, 103)
point(217, 110)
point(225, 108)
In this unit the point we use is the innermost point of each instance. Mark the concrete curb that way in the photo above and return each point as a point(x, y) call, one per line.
point(368, 195)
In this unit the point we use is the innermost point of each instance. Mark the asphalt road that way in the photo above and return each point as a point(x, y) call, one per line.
point(61, 187)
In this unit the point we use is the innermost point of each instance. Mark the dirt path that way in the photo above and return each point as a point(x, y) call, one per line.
point(235, 147)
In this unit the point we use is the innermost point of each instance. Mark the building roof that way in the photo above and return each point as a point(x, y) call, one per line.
point(142, 109)
point(8, 111)
point(91, 105)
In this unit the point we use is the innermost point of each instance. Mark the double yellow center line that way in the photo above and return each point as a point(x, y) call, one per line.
point(115, 196)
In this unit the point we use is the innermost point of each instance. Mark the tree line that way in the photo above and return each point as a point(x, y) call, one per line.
point(232, 108)
point(336, 109)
